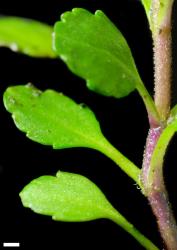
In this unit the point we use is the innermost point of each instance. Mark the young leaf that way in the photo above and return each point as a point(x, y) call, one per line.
point(72, 197)
point(27, 36)
point(53, 119)
point(173, 113)
point(156, 12)
point(66, 197)
point(94, 49)
point(147, 6)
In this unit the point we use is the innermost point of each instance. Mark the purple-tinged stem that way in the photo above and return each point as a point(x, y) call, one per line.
point(152, 171)
point(159, 201)
point(151, 141)
point(163, 64)
point(157, 194)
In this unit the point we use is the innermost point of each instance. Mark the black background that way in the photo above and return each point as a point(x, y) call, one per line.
point(123, 121)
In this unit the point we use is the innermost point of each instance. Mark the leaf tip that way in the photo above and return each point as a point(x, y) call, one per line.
point(64, 16)
point(58, 174)
point(99, 13)
point(74, 12)
point(80, 11)
point(22, 196)
point(8, 98)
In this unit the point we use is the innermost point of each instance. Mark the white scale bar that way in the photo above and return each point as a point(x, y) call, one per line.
point(11, 244)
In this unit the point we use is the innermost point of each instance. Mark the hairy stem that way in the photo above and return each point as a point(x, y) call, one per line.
point(163, 64)
point(159, 201)
point(152, 172)
point(152, 138)
point(154, 187)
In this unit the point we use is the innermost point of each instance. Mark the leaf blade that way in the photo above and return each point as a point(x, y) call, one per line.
point(74, 198)
point(50, 118)
point(147, 7)
point(94, 49)
point(27, 36)
point(105, 60)
point(65, 124)
point(66, 197)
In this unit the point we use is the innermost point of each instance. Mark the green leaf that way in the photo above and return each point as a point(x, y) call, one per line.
point(72, 197)
point(147, 6)
point(173, 113)
point(66, 197)
point(53, 119)
point(94, 49)
point(27, 36)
